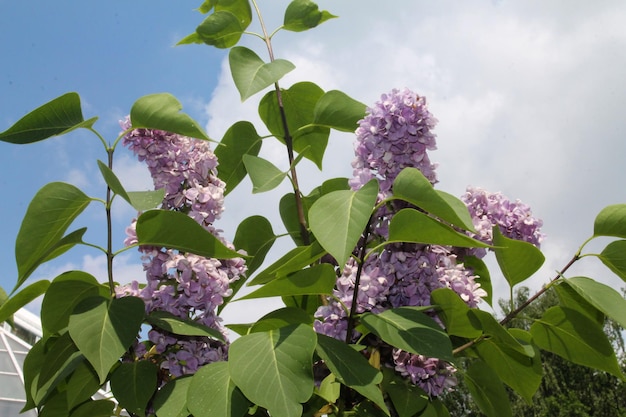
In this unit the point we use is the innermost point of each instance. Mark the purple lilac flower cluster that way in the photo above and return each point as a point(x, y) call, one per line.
point(396, 134)
point(185, 285)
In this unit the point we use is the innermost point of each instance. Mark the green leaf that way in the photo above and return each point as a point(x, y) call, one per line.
point(32, 368)
point(454, 313)
point(176, 230)
point(82, 384)
point(224, 399)
point(602, 297)
point(146, 200)
point(239, 140)
point(64, 293)
point(318, 279)
point(282, 317)
point(263, 174)
point(339, 218)
point(96, 408)
point(409, 329)
point(351, 368)
point(407, 399)
point(575, 337)
point(171, 399)
point(292, 261)
point(410, 225)
point(412, 186)
point(303, 15)
point(133, 384)
point(298, 106)
point(339, 111)
point(162, 111)
point(104, 328)
point(329, 389)
point(491, 327)
point(521, 372)
point(55, 405)
point(289, 216)
point(61, 358)
point(251, 74)
point(568, 297)
point(273, 369)
point(112, 181)
point(487, 390)
point(225, 26)
point(611, 221)
point(56, 117)
point(182, 327)
point(614, 257)
point(49, 214)
point(19, 300)
point(517, 259)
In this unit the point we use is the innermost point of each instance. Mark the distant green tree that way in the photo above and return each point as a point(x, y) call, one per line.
point(567, 389)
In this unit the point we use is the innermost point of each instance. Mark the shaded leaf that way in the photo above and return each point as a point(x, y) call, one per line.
point(95, 408)
point(273, 369)
point(411, 330)
point(614, 257)
point(282, 317)
point(251, 74)
point(60, 359)
point(491, 327)
point(480, 269)
point(292, 261)
point(49, 214)
point(318, 279)
point(575, 337)
point(176, 230)
point(179, 326)
point(225, 399)
point(454, 313)
point(57, 117)
point(568, 297)
point(407, 399)
point(338, 219)
point(240, 139)
point(517, 259)
point(225, 26)
point(146, 200)
point(81, 385)
point(611, 221)
point(19, 300)
point(289, 215)
point(171, 399)
point(487, 390)
point(600, 296)
point(303, 15)
point(351, 368)
point(412, 186)
point(264, 175)
point(104, 328)
point(162, 111)
point(410, 225)
point(133, 384)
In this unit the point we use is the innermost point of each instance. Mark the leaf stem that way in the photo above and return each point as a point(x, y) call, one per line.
point(109, 251)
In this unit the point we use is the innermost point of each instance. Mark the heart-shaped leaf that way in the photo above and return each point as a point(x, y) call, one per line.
point(133, 384)
point(239, 140)
point(517, 259)
point(303, 15)
point(611, 221)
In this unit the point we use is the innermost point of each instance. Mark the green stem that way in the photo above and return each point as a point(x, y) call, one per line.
point(109, 251)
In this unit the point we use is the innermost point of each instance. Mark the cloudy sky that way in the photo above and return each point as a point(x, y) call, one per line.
point(529, 96)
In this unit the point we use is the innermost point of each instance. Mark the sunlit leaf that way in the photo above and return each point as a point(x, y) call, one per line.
point(251, 74)
point(496, 331)
point(56, 117)
point(611, 221)
point(338, 219)
point(480, 269)
point(273, 369)
point(282, 317)
point(49, 214)
point(176, 230)
point(303, 15)
point(454, 313)
point(239, 140)
point(292, 261)
point(318, 279)
point(339, 111)
point(411, 330)
point(517, 259)
point(570, 298)
point(19, 300)
point(575, 337)
point(225, 399)
point(412, 186)
point(224, 27)
point(104, 328)
point(351, 368)
point(162, 111)
point(487, 390)
point(133, 384)
point(140, 200)
point(410, 225)
point(264, 175)
point(179, 326)
point(602, 297)
point(614, 257)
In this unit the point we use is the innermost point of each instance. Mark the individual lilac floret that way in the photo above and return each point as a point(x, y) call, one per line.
point(431, 374)
point(395, 134)
point(493, 209)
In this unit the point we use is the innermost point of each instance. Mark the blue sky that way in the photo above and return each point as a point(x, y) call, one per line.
point(529, 97)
